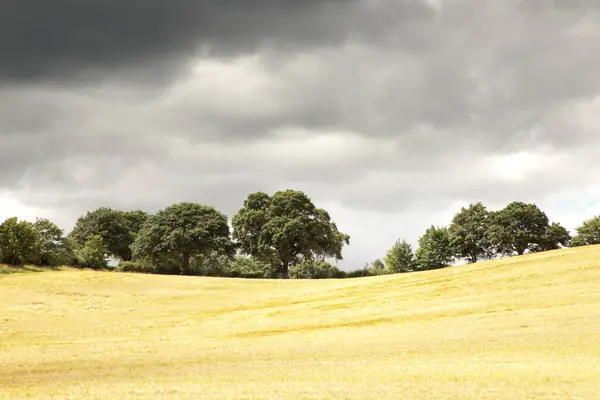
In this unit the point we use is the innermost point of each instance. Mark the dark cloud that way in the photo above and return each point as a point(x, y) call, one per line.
point(86, 39)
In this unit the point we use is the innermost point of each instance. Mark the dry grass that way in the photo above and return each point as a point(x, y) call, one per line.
point(524, 328)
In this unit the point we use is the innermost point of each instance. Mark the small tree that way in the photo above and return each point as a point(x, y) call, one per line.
point(588, 233)
point(93, 253)
point(18, 242)
point(52, 245)
point(286, 229)
point(468, 233)
point(183, 231)
point(555, 237)
point(400, 258)
point(435, 249)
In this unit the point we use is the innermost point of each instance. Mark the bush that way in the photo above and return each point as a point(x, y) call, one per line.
point(315, 270)
point(247, 267)
point(136, 266)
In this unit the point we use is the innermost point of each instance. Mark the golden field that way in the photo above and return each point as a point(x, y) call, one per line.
point(520, 328)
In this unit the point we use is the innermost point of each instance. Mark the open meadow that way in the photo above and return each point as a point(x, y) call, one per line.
point(521, 328)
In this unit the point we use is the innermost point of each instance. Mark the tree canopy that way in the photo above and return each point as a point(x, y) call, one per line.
point(110, 225)
point(52, 246)
point(400, 257)
point(286, 229)
point(435, 249)
point(18, 242)
point(588, 233)
point(468, 233)
point(183, 231)
point(518, 228)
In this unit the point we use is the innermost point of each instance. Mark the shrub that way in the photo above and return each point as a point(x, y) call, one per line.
point(315, 270)
point(136, 266)
point(93, 253)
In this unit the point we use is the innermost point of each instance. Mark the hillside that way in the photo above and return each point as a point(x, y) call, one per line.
point(521, 328)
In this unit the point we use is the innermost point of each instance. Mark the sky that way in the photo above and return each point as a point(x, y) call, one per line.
point(390, 114)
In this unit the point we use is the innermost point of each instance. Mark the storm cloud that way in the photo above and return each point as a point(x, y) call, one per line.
point(390, 114)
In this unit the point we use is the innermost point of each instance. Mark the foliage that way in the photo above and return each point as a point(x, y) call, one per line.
point(111, 225)
point(286, 229)
point(18, 242)
point(356, 273)
point(315, 270)
point(468, 233)
point(376, 268)
point(435, 249)
point(555, 237)
point(93, 253)
point(180, 232)
point(400, 258)
point(518, 228)
point(134, 220)
point(135, 266)
point(53, 249)
point(588, 233)
point(247, 267)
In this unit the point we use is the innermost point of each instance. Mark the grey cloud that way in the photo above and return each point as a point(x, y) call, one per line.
point(79, 40)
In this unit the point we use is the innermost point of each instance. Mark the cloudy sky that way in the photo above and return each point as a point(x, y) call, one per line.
point(390, 114)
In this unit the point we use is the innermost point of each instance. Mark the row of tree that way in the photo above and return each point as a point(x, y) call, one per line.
point(283, 235)
point(477, 233)
point(273, 236)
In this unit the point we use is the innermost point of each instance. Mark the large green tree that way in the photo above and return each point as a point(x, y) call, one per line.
point(117, 229)
point(468, 233)
point(286, 229)
point(400, 257)
point(52, 245)
point(18, 242)
point(435, 249)
point(183, 231)
point(518, 228)
point(588, 233)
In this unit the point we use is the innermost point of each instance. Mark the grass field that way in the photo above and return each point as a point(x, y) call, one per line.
point(522, 328)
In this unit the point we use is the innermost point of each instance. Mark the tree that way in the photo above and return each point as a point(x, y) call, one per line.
point(555, 237)
point(18, 242)
point(468, 233)
point(588, 233)
point(52, 245)
point(400, 258)
point(435, 249)
point(518, 228)
point(377, 267)
point(315, 270)
point(93, 253)
point(286, 229)
point(111, 225)
point(183, 231)
point(134, 220)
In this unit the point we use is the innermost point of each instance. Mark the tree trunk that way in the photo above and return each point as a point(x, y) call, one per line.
point(186, 262)
point(285, 271)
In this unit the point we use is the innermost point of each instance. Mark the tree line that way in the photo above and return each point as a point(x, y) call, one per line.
point(280, 236)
